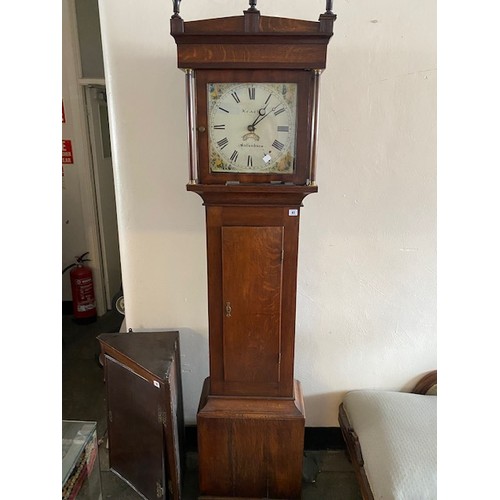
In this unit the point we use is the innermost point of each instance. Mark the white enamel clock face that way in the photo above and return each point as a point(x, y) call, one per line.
point(251, 127)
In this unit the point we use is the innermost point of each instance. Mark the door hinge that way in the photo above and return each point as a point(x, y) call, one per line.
point(110, 416)
point(159, 490)
point(162, 416)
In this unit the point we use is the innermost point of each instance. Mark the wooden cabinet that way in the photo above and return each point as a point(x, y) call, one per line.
point(145, 413)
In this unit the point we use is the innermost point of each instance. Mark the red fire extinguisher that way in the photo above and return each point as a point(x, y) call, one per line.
point(82, 291)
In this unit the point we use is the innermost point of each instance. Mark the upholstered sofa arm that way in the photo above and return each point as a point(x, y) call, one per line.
point(391, 440)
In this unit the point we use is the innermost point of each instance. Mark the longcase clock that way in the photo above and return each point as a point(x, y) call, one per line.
point(252, 86)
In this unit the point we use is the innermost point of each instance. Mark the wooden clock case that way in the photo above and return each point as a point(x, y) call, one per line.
point(305, 83)
point(251, 414)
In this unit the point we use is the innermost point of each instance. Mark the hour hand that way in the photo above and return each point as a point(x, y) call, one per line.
point(261, 115)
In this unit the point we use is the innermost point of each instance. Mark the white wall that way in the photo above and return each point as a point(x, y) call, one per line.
point(366, 314)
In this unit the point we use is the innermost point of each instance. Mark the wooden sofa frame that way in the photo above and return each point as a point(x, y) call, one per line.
point(352, 442)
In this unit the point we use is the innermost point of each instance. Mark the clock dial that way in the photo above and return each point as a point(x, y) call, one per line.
point(251, 127)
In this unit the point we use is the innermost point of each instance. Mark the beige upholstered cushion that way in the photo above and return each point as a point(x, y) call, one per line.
point(397, 434)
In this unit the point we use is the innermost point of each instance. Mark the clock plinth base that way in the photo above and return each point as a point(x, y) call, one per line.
point(250, 448)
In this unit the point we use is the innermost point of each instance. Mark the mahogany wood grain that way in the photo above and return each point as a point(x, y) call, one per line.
point(145, 410)
point(237, 42)
point(263, 195)
point(250, 447)
point(355, 454)
point(252, 256)
point(136, 437)
point(305, 89)
point(252, 274)
point(251, 416)
point(425, 383)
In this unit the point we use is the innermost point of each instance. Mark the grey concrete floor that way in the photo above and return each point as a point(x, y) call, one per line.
point(327, 474)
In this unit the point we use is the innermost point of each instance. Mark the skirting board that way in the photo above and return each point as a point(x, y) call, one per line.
point(316, 438)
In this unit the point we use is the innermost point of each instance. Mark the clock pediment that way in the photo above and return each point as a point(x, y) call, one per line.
point(238, 41)
point(235, 25)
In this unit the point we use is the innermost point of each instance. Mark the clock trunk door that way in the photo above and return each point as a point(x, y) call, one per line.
point(252, 277)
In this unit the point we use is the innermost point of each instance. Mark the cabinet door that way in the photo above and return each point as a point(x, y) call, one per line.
point(252, 275)
point(135, 430)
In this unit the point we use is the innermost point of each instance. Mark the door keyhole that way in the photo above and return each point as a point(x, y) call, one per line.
point(228, 309)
